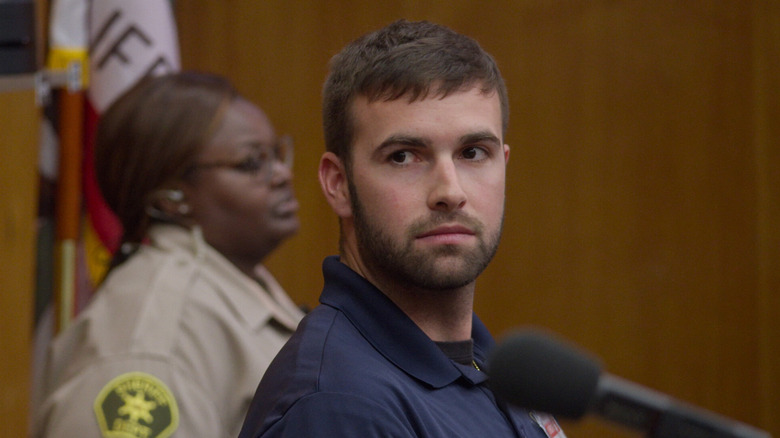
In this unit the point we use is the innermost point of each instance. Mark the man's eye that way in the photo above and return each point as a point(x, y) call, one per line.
point(474, 153)
point(400, 157)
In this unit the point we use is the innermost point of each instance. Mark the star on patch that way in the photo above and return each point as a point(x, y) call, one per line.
point(138, 405)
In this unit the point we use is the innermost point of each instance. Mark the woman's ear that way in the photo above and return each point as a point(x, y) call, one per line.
point(333, 181)
point(168, 205)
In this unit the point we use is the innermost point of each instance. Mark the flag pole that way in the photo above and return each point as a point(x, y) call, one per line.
point(68, 52)
point(68, 200)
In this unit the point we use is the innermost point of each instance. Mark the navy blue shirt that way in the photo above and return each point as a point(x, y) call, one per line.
point(359, 367)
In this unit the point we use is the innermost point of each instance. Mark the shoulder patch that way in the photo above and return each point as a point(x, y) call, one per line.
point(136, 405)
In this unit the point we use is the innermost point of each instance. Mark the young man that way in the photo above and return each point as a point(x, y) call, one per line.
point(415, 168)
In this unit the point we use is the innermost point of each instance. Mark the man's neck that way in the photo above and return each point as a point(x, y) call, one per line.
point(443, 315)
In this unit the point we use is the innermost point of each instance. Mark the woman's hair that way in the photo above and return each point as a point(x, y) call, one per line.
point(411, 60)
point(149, 137)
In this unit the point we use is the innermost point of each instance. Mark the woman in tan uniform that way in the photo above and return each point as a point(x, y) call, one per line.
point(186, 321)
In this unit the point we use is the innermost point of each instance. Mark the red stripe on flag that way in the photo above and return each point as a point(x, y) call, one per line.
point(103, 220)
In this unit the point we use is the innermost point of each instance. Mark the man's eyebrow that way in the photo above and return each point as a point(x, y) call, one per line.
point(401, 139)
point(480, 137)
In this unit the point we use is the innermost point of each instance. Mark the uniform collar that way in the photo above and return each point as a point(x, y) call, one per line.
point(252, 302)
point(393, 333)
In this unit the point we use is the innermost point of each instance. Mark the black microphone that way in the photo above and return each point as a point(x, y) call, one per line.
point(537, 372)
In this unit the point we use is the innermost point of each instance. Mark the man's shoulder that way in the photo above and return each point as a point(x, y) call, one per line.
point(329, 345)
point(326, 355)
point(330, 414)
point(327, 379)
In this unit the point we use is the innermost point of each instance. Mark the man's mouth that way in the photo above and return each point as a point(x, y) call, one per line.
point(447, 234)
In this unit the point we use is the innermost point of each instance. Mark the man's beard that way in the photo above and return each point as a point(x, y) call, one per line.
point(401, 263)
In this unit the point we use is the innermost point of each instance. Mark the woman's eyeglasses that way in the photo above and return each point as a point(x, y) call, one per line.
point(260, 163)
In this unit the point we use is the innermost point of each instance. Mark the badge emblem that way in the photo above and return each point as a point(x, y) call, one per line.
point(548, 424)
point(136, 405)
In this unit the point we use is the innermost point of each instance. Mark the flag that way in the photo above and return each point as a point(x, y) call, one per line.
point(114, 43)
point(128, 39)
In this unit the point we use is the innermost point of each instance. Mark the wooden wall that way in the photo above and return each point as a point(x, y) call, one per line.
point(642, 211)
point(18, 202)
point(19, 134)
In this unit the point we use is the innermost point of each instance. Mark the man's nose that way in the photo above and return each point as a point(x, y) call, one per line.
point(446, 192)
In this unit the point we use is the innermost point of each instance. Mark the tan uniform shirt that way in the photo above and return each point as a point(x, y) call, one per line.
point(174, 342)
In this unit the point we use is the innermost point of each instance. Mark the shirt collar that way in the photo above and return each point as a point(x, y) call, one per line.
point(255, 303)
point(383, 324)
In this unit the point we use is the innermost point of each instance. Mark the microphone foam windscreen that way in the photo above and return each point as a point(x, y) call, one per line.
point(536, 372)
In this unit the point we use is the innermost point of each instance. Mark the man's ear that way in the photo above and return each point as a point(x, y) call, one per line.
point(333, 181)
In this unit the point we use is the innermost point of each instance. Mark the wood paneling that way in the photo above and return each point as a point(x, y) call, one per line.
point(766, 65)
point(18, 202)
point(19, 135)
point(642, 205)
